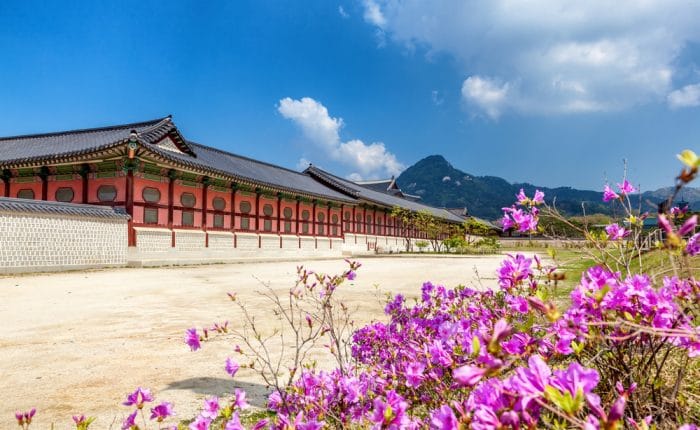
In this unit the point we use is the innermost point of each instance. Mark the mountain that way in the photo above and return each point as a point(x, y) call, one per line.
point(440, 184)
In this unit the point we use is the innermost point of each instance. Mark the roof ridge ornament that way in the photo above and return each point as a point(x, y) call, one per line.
point(133, 143)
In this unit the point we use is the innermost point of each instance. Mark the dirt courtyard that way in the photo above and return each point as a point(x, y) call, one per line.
point(78, 342)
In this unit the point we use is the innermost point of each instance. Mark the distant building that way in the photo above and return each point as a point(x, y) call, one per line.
point(174, 188)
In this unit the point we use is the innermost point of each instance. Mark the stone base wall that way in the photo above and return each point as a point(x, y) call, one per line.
point(34, 242)
point(154, 247)
point(49, 241)
point(359, 244)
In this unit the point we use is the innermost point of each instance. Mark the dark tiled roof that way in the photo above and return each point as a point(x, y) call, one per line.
point(361, 192)
point(251, 170)
point(55, 146)
point(57, 208)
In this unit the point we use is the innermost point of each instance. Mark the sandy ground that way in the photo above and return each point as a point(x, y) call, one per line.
point(78, 342)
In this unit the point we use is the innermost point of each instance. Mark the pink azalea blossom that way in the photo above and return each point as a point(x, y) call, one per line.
point(211, 408)
point(25, 417)
point(414, 374)
point(162, 411)
point(521, 198)
point(200, 423)
point(539, 197)
point(626, 188)
point(138, 398)
point(444, 419)
point(261, 424)
point(130, 421)
point(693, 246)
point(609, 194)
point(469, 375)
point(240, 401)
point(688, 226)
point(231, 367)
point(664, 223)
point(234, 423)
point(615, 232)
point(192, 339)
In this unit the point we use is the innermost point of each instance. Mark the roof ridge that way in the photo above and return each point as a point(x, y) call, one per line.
point(154, 122)
point(221, 151)
point(373, 181)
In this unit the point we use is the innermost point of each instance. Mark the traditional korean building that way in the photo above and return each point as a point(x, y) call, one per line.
point(187, 200)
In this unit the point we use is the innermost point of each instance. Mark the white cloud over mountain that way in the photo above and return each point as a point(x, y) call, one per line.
point(552, 56)
point(323, 131)
point(688, 96)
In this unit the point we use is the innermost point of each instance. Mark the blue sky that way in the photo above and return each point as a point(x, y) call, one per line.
point(551, 92)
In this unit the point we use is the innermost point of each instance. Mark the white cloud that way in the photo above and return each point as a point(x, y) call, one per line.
point(303, 163)
point(688, 96)
point(373, 14)
point(369, 160)
point(549, 56)
point(486, 93)
point(342, 12)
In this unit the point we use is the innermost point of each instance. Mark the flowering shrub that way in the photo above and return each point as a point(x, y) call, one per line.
point(619, 357)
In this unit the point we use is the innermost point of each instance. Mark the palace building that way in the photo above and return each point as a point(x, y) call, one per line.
point(180, 201)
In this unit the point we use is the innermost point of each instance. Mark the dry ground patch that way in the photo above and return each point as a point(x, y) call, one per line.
point(78, 342)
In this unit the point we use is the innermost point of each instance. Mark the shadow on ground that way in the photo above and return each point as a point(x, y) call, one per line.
point(221, 387)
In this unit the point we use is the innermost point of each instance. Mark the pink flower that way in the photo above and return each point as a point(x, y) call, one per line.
point(240, 401)
point(139, 397)
point(609, 194)
point(200, 423)
point(414, 373)
point(192, 339)
point(521, 197)
point(693, 246)
point(615, 232)
point(664, 223)
point(444, 419)
point(539, 197)
point(469, 375)
point(162, 411)
point(688, 226)
point(351, 275)
point(211, 408)
point(231, 367)
point(261, 424)
point(234, 423)
point(626, 188)
point(130, 422)
point(25, 417)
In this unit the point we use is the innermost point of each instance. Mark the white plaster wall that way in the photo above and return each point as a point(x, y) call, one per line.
point(189, 240)
point(153, 240)
point(220, 241)
point(33, 241)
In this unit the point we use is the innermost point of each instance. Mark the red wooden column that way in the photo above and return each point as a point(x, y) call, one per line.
point(6, 176)
point(205, 204)
point(313, 223)
point(353, 225)
point(44, 175)
point(85, 174)
point(364, 219)
point(130, 200)
point(296, 217)
point(342, 221)
point(172, 177)
point(234, 187)
point(329, 232)
point(279, 215)
point(257, 210)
